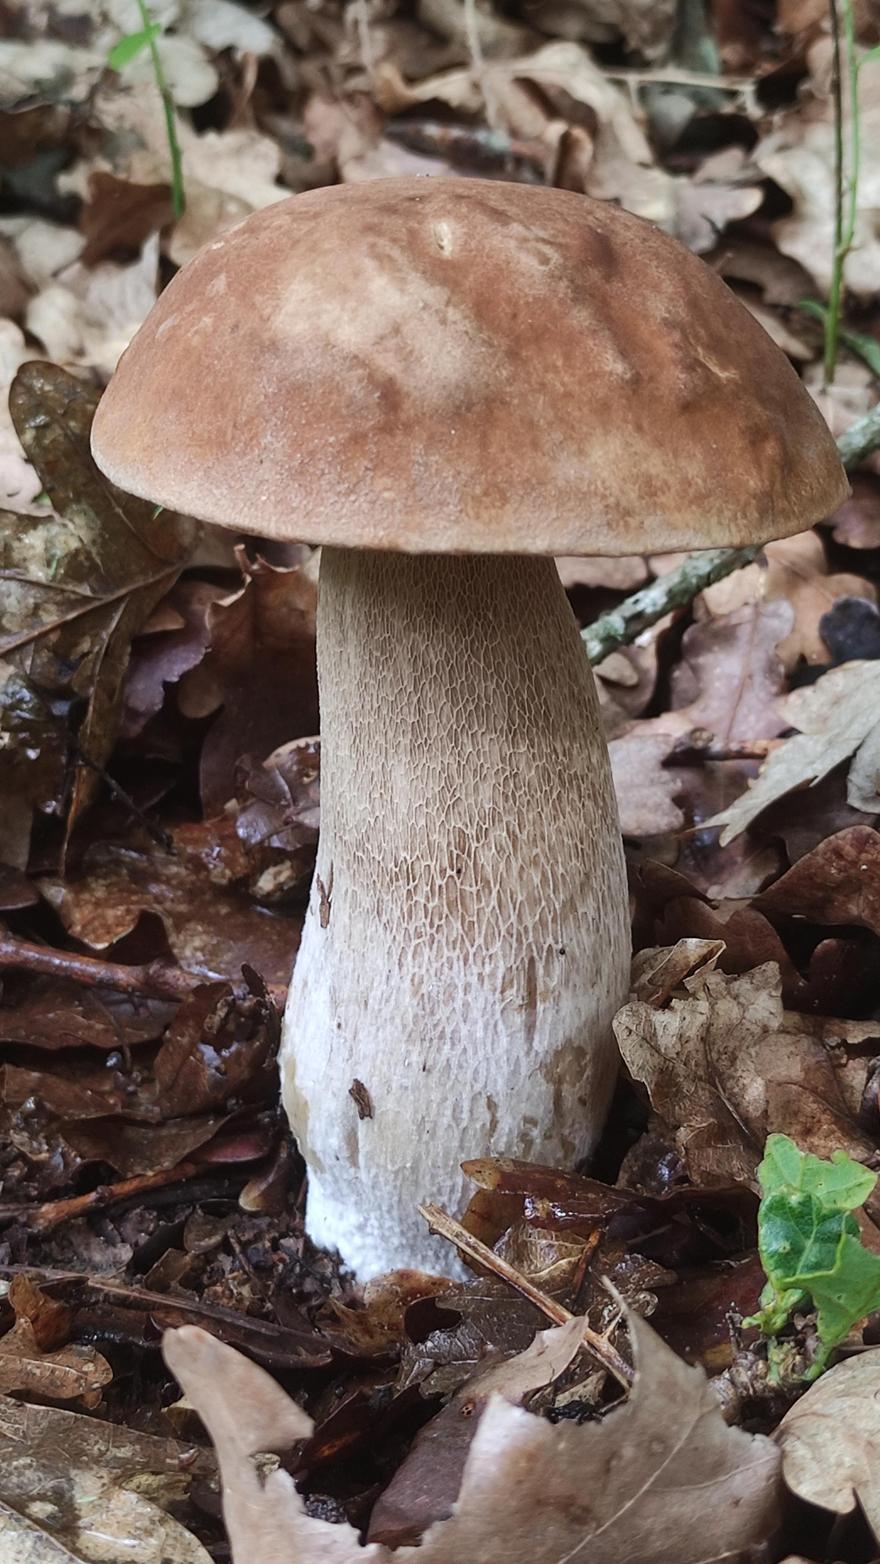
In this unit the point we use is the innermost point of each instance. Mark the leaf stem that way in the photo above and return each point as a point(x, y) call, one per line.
point(178, 199)
point(844, 60)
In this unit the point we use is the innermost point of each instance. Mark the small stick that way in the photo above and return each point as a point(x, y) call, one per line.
point(158, 979)
point(446, 1226)
point(154, 979)
point(52, 1213)
point(626, 622)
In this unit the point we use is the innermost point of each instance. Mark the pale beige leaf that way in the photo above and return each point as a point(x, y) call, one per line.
point(836, 715)
point(189, 73)
point(863, 782)
point(90, 314)
point(667, 1461)
point(798, 154)
point(74, 1488)
point(220, 24)
point(830, 1440)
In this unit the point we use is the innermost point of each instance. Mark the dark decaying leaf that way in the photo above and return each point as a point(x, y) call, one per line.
point(260, 669)
point(200, 892)
point(120, 215)
point(78, 582)
point(837, 883)
point(54, 1015)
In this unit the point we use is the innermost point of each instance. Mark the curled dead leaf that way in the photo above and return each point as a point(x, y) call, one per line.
point(725, 1065)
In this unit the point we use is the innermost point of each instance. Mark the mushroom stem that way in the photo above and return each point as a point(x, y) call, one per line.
point(467, 940)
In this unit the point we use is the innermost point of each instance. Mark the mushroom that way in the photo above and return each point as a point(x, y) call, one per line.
point(446, 382)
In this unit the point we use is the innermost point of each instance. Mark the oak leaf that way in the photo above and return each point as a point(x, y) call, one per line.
point(638, 1484)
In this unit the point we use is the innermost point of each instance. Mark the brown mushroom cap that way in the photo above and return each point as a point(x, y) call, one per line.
point(462, 366)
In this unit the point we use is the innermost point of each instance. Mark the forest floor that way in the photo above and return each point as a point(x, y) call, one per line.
point(160, 801)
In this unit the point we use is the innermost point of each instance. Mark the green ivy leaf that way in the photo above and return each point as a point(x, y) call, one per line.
point(810, 1246)
point(133, 44)
point(841, 1184)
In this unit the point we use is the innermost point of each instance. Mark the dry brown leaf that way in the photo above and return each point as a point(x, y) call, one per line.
point(856, 523)
point(836, 716)
point(795, 346)
point(523, 1498)
point(796, 571)
point(226, 173)
point(619, 161)
point(269, 623)
point(798, 154)
point(830, 1440)
point(68, 1374)
point(645, 25)
point(426, 1484)
point(746, 259)
point(725, 1066)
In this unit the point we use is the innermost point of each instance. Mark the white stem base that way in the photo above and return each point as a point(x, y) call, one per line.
point(467, 939)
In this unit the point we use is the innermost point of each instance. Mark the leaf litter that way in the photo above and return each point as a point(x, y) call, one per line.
point(161, 799)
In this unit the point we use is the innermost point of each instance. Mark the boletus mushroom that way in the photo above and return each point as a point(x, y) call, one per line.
point(445, 382)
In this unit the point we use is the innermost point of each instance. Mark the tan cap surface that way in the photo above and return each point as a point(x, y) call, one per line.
point(456, 365)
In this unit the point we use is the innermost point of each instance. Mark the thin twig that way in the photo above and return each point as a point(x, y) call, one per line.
point(626, 622)
point(56, 1213)
point(446, 1226)
point(152, 980)
point(155, 979)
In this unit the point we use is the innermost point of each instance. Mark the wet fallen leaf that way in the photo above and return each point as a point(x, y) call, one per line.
point(199, 891)
point(837, 883)
point(54, 1015)
point(522, 1498)
point(830, 1440)
point(75, 1490)
point(49, 1318)
point(174, 640)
